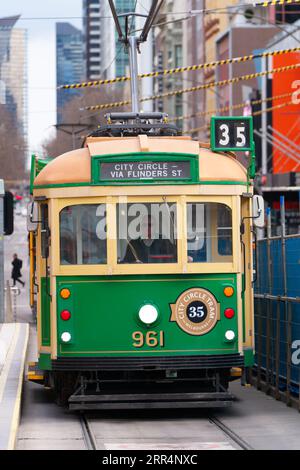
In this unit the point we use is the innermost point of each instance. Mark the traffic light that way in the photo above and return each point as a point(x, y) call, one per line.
point(8, 212)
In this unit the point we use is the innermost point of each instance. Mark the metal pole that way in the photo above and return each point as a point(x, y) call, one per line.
point(133, 61)
point(289, 142)
point(283, 236)
point(145, 60)
point(154, 10)
point(269, 358)
point(283, 145)
point(284, 272)
point(264, 118)
point(280, 147)
point(116, 19)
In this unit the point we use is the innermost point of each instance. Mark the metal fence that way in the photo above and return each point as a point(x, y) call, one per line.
point(277, 315)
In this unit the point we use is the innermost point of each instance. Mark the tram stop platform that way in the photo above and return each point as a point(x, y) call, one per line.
point(13, 348)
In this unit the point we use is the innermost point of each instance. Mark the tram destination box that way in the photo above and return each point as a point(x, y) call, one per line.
point(232, 134)
point(141, 171)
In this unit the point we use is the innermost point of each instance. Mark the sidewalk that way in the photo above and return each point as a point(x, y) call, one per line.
point(13, 347)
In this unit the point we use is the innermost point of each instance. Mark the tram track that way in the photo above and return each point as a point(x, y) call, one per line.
point(91, 442)
point(229, 433)
point(88, 435)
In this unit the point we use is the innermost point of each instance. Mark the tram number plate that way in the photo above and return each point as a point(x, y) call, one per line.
point(152, 339)
point(234, 134)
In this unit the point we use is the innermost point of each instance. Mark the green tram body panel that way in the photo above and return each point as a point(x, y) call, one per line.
point(105, 315)
point(45, 307)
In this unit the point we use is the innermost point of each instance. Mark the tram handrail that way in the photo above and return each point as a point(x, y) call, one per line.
point(279, 298)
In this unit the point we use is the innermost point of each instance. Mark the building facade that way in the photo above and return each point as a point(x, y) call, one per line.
point(69, 63)
point(194, 53)
point(104, 55)
point(92, 38)
point(13, 71)
point(169, 50)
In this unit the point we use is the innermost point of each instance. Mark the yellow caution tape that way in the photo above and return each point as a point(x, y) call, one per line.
point(275, 2)
point(257, 113)
point(229, 108)
point(190, 68)
point(196, 88)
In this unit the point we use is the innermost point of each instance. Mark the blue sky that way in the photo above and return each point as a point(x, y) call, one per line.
point(41, 58)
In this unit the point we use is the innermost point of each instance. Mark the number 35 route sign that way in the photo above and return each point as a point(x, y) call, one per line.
point(232, 133)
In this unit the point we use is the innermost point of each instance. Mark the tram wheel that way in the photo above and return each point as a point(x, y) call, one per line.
point(64, 386)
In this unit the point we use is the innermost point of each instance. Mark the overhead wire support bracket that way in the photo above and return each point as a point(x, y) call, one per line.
point(116, 19)
point(154, 10)
point(132, 42)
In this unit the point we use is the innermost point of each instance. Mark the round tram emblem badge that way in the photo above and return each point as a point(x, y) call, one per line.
point(196, 311)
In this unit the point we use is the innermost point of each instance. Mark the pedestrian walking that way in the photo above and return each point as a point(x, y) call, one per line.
point(16, 271)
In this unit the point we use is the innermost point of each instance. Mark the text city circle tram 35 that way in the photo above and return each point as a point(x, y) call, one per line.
point(141, 265)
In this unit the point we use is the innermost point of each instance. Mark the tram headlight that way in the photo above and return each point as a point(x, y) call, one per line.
point(66, 337)
point(230, 335)
point(148, 314)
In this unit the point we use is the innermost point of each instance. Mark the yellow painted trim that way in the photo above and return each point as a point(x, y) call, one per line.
point(148, 190)
point(249, 294)
point(31, 377)
point(31, 267)
point(112, 268)
point(53, 256)
point(112, 256)
point(183, 233)
point(151, 280)
point(39, 263)
point(236, 372)
point(240, 313)
point(45, 349)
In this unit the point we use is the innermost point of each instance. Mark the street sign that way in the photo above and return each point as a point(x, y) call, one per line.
point(232, 133)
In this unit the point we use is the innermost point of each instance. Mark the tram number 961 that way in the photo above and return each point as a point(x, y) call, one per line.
point(232, 133)
point(152, 339)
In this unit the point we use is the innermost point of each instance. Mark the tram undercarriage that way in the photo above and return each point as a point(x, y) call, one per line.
point(148, 389)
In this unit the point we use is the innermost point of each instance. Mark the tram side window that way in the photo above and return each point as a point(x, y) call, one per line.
point(83, 237)
point(147, 233)
point(209, 229)
point(44, 231)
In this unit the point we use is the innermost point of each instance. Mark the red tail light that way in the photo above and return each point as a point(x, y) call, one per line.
point(229, 313)
point(65, 315)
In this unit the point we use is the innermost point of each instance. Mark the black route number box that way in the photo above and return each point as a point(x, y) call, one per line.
point(232, 133)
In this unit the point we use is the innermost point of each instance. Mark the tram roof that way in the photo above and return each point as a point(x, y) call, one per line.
point(76, 166)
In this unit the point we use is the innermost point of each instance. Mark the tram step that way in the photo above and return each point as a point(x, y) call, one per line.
point(34, 374)
point(144, 401)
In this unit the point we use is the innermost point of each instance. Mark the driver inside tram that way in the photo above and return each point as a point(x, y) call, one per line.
point(148, 248)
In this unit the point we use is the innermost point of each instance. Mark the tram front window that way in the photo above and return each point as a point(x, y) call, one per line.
point(147, 233)
point(209, 228)
point(83, 239)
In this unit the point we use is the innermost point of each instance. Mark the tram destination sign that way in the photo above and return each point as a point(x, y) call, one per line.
point(232, 133)
point(141, 171)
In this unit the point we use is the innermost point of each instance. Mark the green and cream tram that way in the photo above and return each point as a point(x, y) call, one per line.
point(142, 270)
